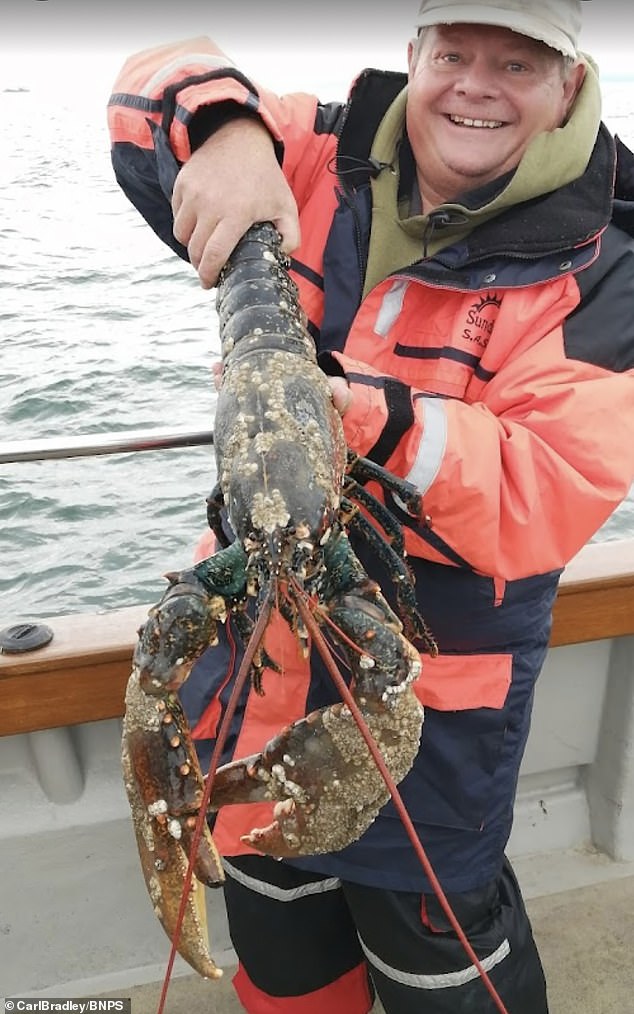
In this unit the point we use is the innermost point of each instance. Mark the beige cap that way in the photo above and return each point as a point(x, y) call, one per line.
point(555, 22)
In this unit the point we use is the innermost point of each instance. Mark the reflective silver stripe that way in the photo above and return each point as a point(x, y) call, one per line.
point(433, 444)
point(391, 306)
point(443, 980)
point(204, 59)
point(280, 893)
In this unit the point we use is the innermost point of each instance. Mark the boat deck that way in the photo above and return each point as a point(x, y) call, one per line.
point(585, 935)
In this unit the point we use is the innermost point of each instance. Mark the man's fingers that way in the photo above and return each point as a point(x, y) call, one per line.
point(341, 394)
point(210, 241)
point(288, 227)
point(199, 240)
point(218, 248)
point(184, 222)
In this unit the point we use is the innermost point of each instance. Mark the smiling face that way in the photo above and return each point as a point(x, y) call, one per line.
point(477, 96)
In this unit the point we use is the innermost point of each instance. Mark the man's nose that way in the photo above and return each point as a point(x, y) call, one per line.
point(478, 81)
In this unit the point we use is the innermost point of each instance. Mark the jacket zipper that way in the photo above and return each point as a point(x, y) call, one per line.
point(359, 245)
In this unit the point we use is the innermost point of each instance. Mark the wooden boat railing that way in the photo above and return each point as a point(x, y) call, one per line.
point(81, 675)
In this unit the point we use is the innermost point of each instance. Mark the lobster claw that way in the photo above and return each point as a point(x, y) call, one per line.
point(164, 784)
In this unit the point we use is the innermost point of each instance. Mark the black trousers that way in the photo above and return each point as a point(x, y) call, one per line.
point(315, 945)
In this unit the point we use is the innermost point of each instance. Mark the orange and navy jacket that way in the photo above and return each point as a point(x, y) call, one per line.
point(496, 375)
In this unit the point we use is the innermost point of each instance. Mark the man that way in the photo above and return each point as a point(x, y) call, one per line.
point(461, 250)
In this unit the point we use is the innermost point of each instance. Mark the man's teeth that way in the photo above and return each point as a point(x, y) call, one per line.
point(465, 121)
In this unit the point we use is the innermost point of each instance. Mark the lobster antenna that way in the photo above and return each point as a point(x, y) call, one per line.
point(322, 647)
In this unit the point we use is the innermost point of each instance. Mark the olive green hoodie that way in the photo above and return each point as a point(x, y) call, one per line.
point(552, 159)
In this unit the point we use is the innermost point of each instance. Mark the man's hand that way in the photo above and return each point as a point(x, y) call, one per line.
point(341, 394)
point(231, 182)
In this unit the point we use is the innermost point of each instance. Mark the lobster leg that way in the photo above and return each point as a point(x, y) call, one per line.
point(354, 491)
point(415, 626)
point(215, 503)
point(363, 470)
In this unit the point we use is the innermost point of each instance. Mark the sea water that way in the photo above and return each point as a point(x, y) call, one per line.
point(104, 329)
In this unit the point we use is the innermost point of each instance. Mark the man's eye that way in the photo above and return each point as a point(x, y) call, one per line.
point(451, 57)
point(517, 68)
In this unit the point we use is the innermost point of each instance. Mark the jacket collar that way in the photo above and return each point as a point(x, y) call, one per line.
point(567, 217)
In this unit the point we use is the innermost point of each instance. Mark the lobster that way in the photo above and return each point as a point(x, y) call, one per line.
point(292, 493)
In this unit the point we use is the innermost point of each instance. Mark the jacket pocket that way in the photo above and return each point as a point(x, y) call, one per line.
point(451, 783)
point(461, 682)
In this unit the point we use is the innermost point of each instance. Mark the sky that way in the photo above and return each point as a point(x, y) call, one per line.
point(288, 44)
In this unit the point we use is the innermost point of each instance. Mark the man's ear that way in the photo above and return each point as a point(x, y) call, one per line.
point(413, 50)
point(572, 84)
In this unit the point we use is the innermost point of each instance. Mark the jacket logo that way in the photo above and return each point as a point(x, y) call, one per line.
point(481, 317)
